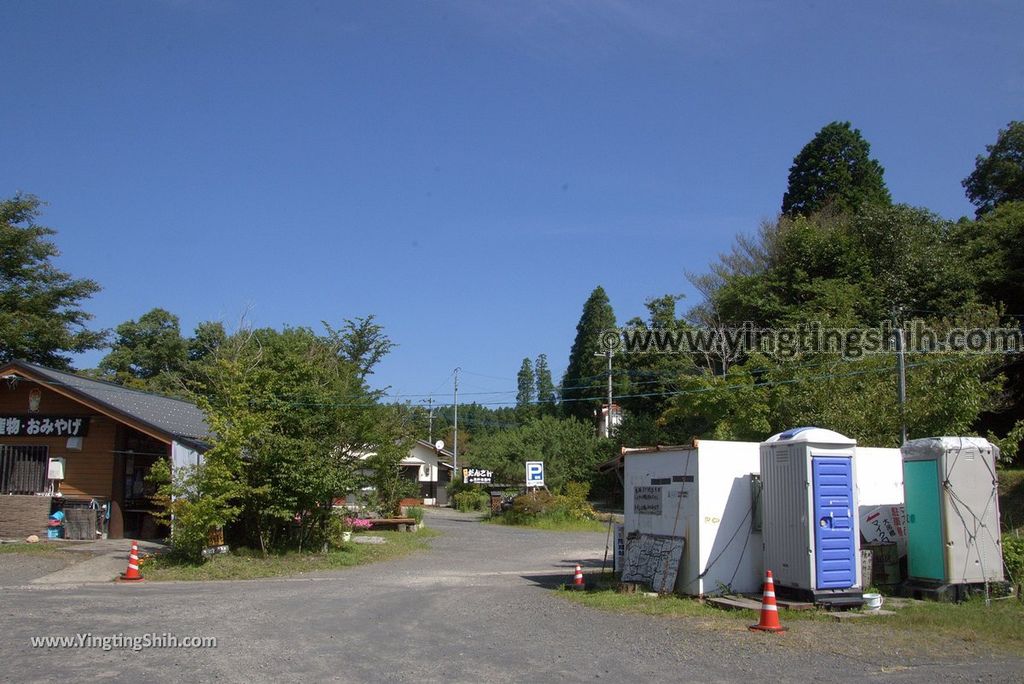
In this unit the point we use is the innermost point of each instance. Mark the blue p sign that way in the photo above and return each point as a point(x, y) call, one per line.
point(535, 473)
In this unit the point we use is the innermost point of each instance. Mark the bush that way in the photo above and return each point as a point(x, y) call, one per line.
point(571, 504)
point(416, 513)
point(472, 500)
point(337, 525)
point(1013, 558)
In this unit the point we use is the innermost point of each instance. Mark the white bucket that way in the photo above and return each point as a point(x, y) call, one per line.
point(872, 601)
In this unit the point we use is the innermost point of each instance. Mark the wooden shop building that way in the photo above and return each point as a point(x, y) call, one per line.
point(85, 447)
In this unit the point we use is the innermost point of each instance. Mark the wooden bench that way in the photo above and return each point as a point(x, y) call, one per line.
point(403, 524)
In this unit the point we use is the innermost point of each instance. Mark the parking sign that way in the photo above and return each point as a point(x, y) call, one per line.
point(535, 473)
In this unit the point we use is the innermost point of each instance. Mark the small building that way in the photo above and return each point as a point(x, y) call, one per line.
point(431, 469)
point(693, 508)
point(86, 445)
point(609, 418)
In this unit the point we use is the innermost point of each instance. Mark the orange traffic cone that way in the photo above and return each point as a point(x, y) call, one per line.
point(132, 574)
point(769, 611)
point(577, 577)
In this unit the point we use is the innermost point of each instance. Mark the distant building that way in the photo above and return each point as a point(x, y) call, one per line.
point(602, 419)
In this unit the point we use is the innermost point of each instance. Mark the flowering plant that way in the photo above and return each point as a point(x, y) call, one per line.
point(360, 524)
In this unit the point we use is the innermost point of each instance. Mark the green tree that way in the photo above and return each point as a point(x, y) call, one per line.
point(570, 451)
point(206, 340)
point(317, 418)
point(999, 175)
point(585, 378)
point(849, 271)
point(834, 170)
point(148, 353)
point(525, 384)
point(546, 396)
point(41, 319)
point(389, 484)
point(362, 343)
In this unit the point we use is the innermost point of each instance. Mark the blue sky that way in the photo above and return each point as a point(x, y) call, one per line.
point(467, 171)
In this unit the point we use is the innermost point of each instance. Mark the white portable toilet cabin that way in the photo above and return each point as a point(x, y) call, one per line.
point(811, 527)
point(952, 504)
point(704, 496)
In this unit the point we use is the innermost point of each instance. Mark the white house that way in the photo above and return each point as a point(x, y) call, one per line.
point(431, 468)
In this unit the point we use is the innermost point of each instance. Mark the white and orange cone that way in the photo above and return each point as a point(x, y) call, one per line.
point(132, 574)
point(769, 610)
point(577, 577)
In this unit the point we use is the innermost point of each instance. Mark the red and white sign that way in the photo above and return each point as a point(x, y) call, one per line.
point(884, 525)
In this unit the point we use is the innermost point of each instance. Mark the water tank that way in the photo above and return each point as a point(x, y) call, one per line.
point(811, 528)
point(952, 510)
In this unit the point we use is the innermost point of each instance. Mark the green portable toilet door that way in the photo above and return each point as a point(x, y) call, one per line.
point(924, 520)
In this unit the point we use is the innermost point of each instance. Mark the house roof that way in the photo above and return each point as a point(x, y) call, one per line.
point(442, 453)
point(172, 418)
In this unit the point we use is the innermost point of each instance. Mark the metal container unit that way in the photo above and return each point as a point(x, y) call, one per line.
point(811, 527)
point(952, 510)
point(704, 494)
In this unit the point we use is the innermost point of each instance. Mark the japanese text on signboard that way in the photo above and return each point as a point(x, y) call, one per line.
point(647, 500)
point(477, 476)
point(39, 426)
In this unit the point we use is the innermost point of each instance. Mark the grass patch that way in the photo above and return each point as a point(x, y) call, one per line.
point(38, 549)
point(247, 564)
point(999, 625)
point(550, 523)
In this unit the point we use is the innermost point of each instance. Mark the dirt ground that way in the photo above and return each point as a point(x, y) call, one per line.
point(478, 606)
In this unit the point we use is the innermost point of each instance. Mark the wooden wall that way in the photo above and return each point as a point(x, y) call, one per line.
point(89, 472)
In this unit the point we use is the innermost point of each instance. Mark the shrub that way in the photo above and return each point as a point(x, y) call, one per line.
point(472, 501)
point(574, 500)
point(337, 525)
point(535, 503)
point(416, 513)
point(571, 504)
point(1013, 558)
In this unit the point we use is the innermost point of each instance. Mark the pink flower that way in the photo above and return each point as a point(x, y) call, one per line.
point(361, 524)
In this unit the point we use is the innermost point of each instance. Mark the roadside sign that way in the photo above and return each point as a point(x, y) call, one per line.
point(535, 473)
point(477, 476)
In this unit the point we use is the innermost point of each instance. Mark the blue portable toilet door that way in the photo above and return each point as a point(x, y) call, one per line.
point(835, 555)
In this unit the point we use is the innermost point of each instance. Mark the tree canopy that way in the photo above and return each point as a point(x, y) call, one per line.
point(998, 176)
point(584, 380)
point(41, 314)
point(149, 352)
point(834, 170)
point(293, 419)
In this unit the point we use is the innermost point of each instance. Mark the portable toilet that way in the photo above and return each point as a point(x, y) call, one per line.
point(811, 529)
point(952, 504)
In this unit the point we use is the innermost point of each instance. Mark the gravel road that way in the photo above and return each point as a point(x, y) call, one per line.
point(476, 607)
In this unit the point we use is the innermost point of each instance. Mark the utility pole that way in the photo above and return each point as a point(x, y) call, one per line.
point(430, 419)
point(608, 412)
point(901, 369)
point(455, 447)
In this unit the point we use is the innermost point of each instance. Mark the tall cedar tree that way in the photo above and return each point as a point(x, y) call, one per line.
point(999, 176)
point(41, 319)
point(584, 381)
point(545, 385)
point(525, 383)
point(834, 170)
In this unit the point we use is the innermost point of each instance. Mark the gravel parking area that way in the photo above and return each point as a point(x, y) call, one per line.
point(476, 607)
point(17, 568)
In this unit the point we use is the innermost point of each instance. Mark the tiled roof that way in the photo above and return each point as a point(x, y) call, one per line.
point(174, 417)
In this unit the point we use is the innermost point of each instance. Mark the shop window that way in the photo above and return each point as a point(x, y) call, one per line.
point(23, 469)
